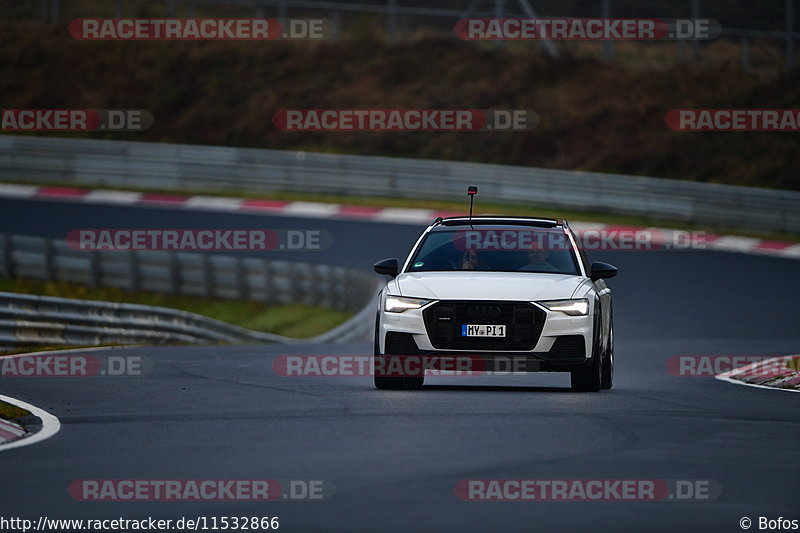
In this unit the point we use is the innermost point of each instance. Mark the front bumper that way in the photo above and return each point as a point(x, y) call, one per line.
point(563, 339)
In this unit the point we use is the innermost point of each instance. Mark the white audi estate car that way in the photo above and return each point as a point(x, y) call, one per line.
point(490, 288)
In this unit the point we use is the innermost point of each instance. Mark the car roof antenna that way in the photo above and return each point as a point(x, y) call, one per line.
point(472, 190)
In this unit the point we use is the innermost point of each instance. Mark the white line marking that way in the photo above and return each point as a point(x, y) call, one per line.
point(50, 425)
point(733, 243)
point(312, 209)
point(10, 189)
point(214, 202)
point(791, 251)
point(112, 197)
point(401, 214)
point(579, 225)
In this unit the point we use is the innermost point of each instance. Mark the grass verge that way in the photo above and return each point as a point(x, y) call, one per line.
point(295, 320)
point(10, 412)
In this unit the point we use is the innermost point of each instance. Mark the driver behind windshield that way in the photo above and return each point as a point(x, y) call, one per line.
point(538, 262)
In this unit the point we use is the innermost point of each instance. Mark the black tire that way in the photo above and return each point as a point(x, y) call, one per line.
point(415, 382)
point(383, 383)
point(590, 378)
point(607, 381)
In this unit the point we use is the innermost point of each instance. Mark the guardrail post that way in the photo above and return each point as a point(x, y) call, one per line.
point(391, 21)
point(269, 288)
point(174, 273)
point(337, 25)
point(281, 9)
point(323, 274)
point(695, 42)
point(745, 53)
point(118, 9)
point(94, 268)
point(241, 278)
point(171, 8)
point(8, 256)
point(206, 275)
point(55, 10)
point(790, 34)
point(608, 45)
point(499, 12)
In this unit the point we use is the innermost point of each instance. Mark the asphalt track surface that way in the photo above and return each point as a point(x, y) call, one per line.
point(395, 456)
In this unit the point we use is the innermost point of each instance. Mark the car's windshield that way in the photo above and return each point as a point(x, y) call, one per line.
point(507, 249)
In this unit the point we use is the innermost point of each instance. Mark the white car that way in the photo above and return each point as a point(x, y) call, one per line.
point(513, 289)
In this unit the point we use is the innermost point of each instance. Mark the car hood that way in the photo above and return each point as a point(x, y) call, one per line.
point(523, 286)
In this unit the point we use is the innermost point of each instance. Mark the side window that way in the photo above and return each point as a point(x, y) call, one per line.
point(581, 252)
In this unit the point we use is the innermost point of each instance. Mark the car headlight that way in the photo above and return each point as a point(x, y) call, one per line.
point(398, 304)
point(577, 307)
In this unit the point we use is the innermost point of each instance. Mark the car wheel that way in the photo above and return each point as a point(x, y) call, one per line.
point(589, 379)
point(385, 383)
point(608, 362)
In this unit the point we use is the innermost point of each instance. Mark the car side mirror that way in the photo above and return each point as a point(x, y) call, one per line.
point(387, 267)
point(602, 271)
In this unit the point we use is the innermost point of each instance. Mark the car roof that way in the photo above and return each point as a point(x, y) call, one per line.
point(499, 220)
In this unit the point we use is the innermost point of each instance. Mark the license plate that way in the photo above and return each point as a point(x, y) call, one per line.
point(477, 330)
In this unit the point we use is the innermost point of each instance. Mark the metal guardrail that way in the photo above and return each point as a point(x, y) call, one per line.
point(156, 166)
point(46, 321)
point(191, 274)
point(28, 320)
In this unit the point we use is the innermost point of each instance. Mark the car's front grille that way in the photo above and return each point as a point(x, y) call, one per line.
point(523, 321)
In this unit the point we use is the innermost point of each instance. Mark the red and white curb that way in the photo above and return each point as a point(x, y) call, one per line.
point(781, 373)
point(10, 431)
point(50, 426)
point(396, 215)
